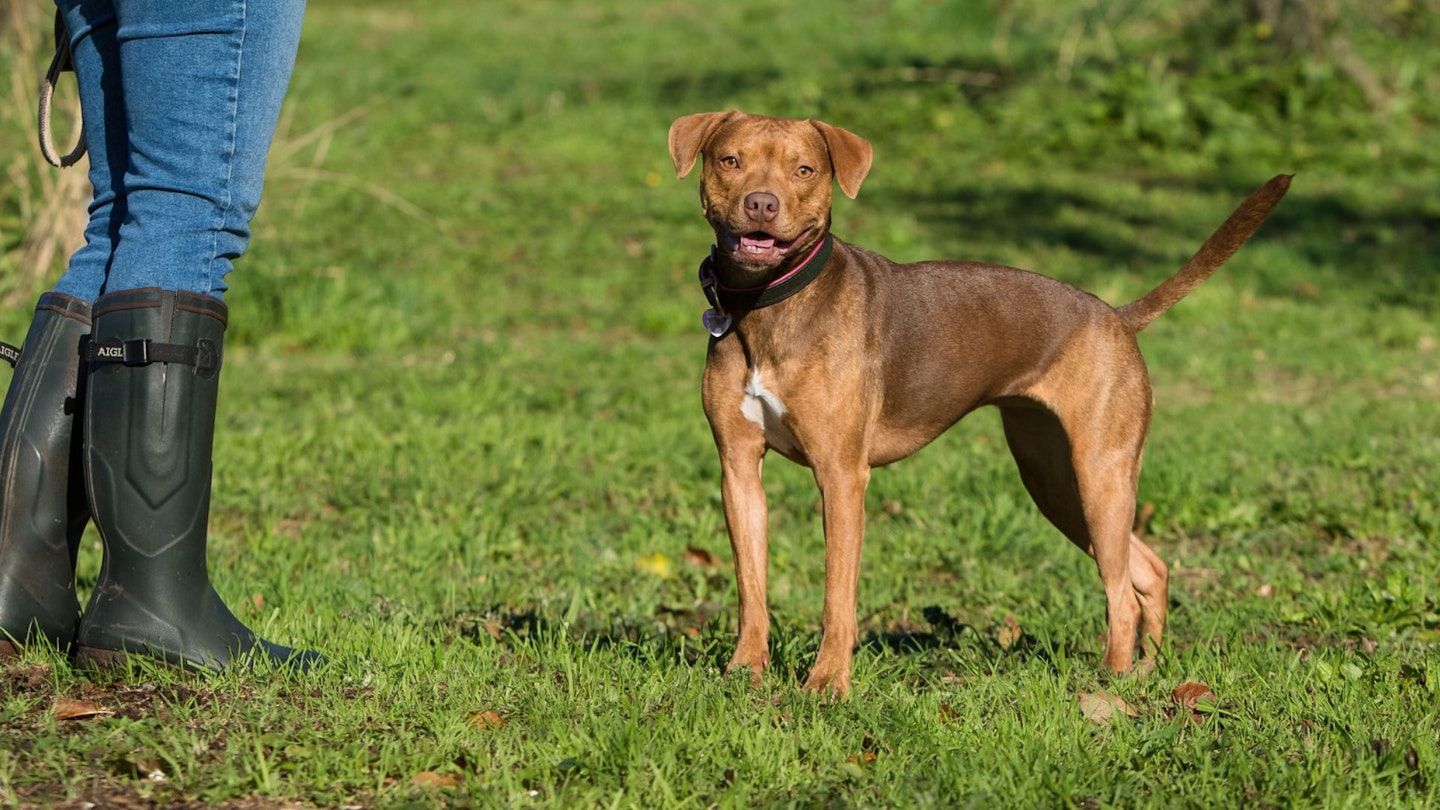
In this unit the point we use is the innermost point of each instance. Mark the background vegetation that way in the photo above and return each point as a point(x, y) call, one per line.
point(461, 450)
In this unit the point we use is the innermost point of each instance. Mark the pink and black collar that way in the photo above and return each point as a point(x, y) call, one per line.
point(725, 299)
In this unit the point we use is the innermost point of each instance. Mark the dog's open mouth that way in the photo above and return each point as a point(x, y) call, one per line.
point(757, 247)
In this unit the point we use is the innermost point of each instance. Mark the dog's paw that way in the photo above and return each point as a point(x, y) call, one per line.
point(828, 684)
point(756, 669)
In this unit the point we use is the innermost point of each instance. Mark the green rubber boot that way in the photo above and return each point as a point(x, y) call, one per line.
point(150, 426)
point(42, 504)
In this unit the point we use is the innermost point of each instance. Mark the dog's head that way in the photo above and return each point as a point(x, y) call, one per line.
point(765, 182)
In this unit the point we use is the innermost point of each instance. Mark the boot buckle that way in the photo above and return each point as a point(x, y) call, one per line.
point(135, 352)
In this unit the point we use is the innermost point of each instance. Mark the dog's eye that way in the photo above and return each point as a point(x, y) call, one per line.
point(730, 162)
point(804, 172)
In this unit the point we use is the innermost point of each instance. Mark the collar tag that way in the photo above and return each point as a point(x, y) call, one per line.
point(717, 323)
point(716, 320)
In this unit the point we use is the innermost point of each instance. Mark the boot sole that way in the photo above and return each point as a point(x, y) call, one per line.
point(104, 660)
point(95, 658)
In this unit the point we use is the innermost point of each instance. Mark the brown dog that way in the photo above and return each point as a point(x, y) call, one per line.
point(841, 360)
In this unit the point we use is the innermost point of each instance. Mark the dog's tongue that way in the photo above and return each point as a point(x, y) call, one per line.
point(753, 243)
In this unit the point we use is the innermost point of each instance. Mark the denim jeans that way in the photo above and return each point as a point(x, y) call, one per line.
point(180, 100)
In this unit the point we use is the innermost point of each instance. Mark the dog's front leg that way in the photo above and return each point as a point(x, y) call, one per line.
point(747, 517)
point(842, 491)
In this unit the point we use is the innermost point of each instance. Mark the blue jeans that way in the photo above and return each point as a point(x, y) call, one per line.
point(180, 99)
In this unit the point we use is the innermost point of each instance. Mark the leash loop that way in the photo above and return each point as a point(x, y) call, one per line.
point(62, 61)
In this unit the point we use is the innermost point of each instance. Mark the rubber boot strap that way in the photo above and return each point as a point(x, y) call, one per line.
point(143, 352)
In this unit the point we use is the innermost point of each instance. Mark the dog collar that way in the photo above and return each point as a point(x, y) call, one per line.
point(723, 299)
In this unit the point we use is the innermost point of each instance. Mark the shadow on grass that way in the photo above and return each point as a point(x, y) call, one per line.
point(695, 636)
point(702, 637)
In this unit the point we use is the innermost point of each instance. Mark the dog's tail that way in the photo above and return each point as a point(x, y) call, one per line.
point(1215, 252)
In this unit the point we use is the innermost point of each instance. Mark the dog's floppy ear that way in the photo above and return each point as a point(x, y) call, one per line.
point(850, 154)
point(688, 135)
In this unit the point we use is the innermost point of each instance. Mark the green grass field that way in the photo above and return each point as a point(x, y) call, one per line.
point(461, 451)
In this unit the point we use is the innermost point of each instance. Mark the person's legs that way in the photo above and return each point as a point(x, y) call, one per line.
point(202, 97)
point(187, 110)
point(185, 153)
point(91, 26)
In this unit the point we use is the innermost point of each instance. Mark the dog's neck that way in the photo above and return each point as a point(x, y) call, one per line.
point(727, 293)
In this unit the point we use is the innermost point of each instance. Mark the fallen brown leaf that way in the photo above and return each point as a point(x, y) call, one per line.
point(431, 779)
point(1010, 633)
point(492, 627)
point(1188, 696)
point(1100, 707)
point(71, 709)
point(485, 719)
point(702, 557)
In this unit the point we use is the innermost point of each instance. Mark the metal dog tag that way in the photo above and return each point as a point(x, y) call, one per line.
point(716, 323)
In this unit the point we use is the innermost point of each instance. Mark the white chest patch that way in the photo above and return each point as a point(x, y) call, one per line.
point(765, 409)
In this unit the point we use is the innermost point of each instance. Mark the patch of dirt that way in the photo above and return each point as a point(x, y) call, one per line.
point(122, 799)
point(110, 781)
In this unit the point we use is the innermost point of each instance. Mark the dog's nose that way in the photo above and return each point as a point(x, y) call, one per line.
point(761, 206)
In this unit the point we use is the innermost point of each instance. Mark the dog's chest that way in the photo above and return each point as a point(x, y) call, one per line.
point(762, 406)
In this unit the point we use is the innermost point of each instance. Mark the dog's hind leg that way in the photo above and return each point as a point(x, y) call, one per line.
point(1088, 493)
point(1151, 577)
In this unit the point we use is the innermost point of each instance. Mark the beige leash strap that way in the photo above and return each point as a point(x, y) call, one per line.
point(59, 64)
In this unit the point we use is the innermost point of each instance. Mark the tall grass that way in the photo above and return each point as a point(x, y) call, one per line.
point(42, 209)
point(460, 448)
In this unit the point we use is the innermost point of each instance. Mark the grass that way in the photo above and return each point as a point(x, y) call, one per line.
point(461, 450)
point(42, 213)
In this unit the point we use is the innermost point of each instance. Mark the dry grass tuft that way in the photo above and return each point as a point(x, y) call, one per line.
point(42, 209)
